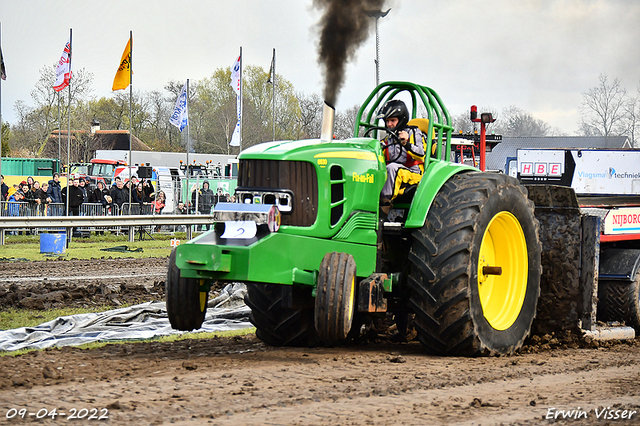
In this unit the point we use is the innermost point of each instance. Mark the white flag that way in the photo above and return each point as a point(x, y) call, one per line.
point(63, 70)
point(180, 116)
point(235, 137)
point(235, 76)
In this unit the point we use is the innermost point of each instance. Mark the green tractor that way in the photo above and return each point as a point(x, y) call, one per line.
point(459, 249)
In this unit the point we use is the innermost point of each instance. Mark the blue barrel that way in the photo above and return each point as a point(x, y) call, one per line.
point(53, 243)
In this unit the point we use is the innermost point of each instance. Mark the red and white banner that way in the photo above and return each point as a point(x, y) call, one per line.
point(63, 70)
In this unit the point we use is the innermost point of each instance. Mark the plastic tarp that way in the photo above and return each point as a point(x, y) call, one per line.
point(225, 312)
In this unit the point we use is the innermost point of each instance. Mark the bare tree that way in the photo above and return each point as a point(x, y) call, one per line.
point(516, 122)
point(603, 109)
point(310, 118)
point(345, 122)
point(462, 123)
point(632, 109)
point(36, 123)
point(5, 134)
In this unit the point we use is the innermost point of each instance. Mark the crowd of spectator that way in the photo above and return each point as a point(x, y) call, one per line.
point(31, 197)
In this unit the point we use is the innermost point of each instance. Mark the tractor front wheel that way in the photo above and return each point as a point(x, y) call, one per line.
point(335, 297)
point(186, 304)
point(475, 275)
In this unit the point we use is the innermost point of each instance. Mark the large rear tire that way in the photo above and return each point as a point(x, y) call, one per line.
point(620, 301)
point(335, 297)
point(475, 274)
point(276, 323)
point(186, 304)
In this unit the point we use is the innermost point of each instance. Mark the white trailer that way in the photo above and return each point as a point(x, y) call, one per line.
point(590, 172)
point(165, 159)
point(594, 194)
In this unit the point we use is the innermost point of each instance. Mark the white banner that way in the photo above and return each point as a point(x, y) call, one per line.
point(180, 116)
point(63, 70)
point(622, 221)
point(236, 78)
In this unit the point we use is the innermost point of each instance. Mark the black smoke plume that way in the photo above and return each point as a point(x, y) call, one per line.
point(344, 26)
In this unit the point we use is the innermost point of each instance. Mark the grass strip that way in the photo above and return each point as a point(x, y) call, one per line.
point(27, 247)
point(161, 339)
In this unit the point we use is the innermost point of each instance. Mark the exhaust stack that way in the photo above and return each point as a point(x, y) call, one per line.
point(328, 121)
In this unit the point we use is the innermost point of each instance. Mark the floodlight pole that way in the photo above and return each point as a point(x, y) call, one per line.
point(377, 14)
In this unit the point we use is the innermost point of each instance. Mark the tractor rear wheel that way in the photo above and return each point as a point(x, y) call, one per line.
point(335, 297)
point(276, 322)
point(620, 301)
point(475, 274)
point(186, 304)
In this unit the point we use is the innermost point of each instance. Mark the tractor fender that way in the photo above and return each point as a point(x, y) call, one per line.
point(619, 264)
point(435, 176)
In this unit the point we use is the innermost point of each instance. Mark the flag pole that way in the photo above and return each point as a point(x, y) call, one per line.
point(1, 106)
point(188, 144)
point(130, 112)
point(59, 127)
point(273, 97)
point(69, 129)
point(240, 141)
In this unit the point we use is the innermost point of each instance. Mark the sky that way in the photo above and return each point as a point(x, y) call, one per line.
point(539, 55)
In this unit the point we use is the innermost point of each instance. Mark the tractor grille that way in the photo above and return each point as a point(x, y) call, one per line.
point(297, 176)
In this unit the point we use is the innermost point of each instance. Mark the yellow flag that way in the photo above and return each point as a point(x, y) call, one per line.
point(122, 80)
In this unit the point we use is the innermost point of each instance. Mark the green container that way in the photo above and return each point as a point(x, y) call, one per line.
point(30, 166)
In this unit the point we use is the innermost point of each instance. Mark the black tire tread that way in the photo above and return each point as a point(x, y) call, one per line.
point(276, 325)
point(620, 301)
point(441, 259)
point(183, 299)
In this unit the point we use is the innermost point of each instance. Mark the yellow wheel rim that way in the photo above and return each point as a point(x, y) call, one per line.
point(203, 297)
point(502, 291)
point(351, 298)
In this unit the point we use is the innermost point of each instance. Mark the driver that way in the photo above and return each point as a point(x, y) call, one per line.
point(402, 152)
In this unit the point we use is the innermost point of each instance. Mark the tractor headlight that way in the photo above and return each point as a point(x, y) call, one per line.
point(283, 199)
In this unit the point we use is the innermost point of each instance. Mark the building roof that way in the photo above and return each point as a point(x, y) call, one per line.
point(509, 146)
point(100, 139)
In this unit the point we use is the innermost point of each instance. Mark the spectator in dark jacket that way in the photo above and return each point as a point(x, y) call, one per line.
point(85, 193)
point(42, 198)
point(148, 189)
point(55, 191)
point(3, 188)
point(138, 196)
point(75, 197)
point(119, 194)
point(29, 197)
point(205, 198)
point(100, 195)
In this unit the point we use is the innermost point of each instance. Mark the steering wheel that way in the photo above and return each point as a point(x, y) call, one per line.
point(396, 140)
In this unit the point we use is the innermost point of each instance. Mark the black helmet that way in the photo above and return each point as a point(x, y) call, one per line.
point(395, 108)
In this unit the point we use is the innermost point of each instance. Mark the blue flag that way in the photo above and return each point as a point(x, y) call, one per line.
point(180, 116)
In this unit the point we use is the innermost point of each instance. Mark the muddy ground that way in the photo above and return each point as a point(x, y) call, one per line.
point(242, 381)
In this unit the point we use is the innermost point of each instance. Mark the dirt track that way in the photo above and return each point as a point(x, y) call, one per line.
point(242, 381)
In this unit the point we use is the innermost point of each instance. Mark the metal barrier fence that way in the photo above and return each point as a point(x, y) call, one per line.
point(129, 222)
point(26, 209)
